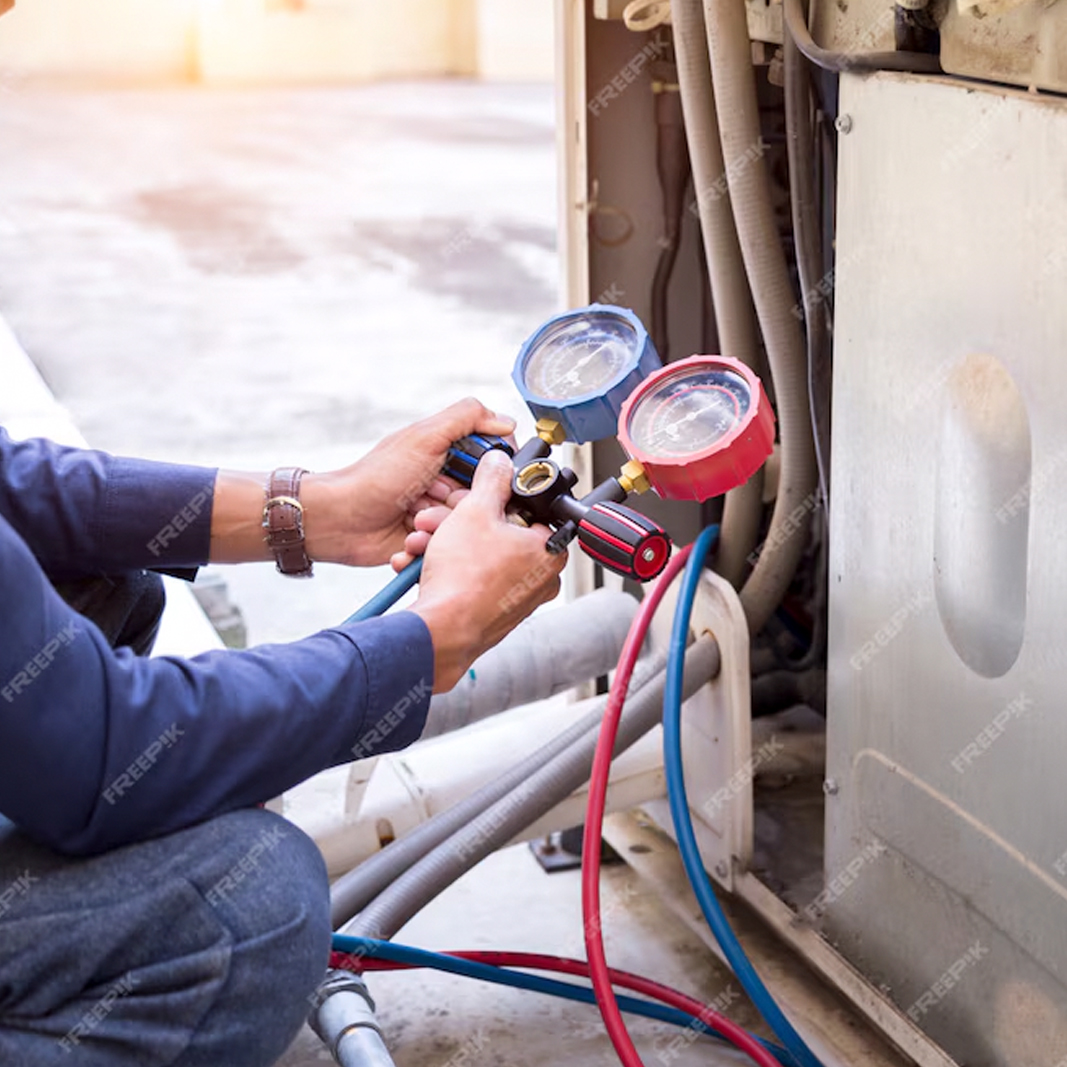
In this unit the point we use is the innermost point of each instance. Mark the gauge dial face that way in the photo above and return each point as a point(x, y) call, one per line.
point(689, 412)
point(580, 356)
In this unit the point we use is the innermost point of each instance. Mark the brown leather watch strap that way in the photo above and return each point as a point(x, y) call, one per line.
point(283, 519)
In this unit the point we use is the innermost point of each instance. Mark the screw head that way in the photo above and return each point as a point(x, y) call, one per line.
point(648, 555)
point(830, 787)
point(843, 123)
point(721, 869)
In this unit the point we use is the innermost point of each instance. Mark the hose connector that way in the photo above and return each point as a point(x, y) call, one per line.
point(343, 1017)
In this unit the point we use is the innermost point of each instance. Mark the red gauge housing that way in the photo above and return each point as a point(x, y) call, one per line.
point(699, 427)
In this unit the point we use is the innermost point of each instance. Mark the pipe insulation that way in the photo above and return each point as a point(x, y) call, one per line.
point(545, 655)
point(734, 316)
point(510, 815)
point(736, 105)
point(354, 891)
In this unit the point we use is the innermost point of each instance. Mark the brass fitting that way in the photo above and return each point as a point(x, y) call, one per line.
point(550, 431)
point(534, 477)
point(633, 479)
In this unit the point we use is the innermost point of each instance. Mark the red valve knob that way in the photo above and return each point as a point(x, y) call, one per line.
point(624, 541)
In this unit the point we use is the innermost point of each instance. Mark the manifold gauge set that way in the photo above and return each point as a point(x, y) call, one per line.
point(692, 430)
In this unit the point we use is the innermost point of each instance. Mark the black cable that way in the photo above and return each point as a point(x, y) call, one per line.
point(815, 288)
point(797, 27)
point(672, 169)
point(804, 205)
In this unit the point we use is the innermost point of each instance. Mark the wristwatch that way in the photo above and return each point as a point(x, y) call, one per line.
point(283, 520)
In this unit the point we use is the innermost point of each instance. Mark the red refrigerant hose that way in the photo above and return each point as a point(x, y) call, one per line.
point(537, 961)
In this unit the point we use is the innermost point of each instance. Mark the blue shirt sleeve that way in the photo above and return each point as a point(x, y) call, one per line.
point(86, 513)
point(99, 748)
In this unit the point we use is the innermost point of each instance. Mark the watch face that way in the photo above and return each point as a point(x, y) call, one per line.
point(579, 356)
point(689, 412)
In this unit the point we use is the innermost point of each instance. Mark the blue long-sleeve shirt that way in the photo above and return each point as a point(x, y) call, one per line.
point(100, 748)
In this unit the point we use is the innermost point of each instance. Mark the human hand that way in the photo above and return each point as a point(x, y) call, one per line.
point(482, 574)
point(361, 515)
point(425, 525)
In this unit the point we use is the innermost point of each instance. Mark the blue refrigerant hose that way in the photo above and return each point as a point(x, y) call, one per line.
point(683, 823)
point(388, 595)
point(460, 464)
point(417, 957)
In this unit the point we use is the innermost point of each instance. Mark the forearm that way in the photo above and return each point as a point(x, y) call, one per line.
point(83, 511)
point(237, 533)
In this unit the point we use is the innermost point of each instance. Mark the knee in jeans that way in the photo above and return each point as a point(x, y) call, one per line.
point(267, 882)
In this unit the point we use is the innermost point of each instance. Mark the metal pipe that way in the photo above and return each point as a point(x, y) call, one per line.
point(363, 1048)
point(343, 1017)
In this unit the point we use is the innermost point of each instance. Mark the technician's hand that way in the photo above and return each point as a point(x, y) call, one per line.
point(482, 574)
point(425, 525)
point(361, 515)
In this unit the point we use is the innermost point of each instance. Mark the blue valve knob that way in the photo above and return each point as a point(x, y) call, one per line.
point(463, 456)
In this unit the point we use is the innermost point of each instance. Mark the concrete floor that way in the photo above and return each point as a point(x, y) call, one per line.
point(253, 278)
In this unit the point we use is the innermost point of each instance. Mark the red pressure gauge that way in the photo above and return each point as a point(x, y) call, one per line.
point(699, 427)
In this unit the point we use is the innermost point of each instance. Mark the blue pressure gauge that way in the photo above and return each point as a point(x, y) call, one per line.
point(579, 367)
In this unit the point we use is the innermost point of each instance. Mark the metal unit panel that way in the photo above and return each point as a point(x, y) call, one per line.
point(946, 839)
point(853, 26)
point(1022, 43)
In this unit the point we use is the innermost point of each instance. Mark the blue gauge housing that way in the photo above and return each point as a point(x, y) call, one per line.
point(580, 366)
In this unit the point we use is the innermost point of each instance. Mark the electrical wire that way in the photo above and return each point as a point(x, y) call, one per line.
point(673, 173)
point(594, 819)
point(683, 824)
point(676, 1008)
point(915, 62)
point(803, 203)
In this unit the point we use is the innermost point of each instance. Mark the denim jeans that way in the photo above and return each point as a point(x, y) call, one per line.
point(199, 949)
point(127, 607)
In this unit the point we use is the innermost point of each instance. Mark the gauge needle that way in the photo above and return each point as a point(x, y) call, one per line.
point(572, 376)
point(675, 427)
